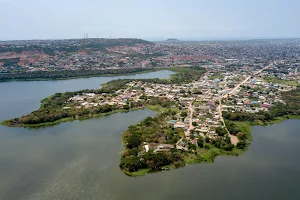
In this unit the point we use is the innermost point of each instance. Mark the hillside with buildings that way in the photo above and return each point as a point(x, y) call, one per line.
point(55, 59)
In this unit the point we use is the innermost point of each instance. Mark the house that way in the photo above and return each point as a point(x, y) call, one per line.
point(247, 102)
point(172, 122)
point(90, 94)
point(213, 133)
point(186, 121)
point(262, 97)
point(203, 130)
point(84, 103)
point(266, 105)
point(179, 125)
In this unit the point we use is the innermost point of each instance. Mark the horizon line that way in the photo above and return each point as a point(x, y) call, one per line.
point(154, 39)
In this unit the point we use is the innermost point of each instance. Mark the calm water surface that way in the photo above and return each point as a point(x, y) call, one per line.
point(79, 160)
point(20, 98)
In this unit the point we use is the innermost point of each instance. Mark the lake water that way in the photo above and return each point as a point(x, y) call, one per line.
point(79, 160)
point(20, 98)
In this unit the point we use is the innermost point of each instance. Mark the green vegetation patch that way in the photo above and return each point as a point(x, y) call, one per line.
point(281, 81)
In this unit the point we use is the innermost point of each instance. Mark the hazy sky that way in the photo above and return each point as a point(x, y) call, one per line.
point(149, 19)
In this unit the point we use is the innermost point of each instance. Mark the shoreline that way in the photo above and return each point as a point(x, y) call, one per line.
point(133, 163)
point(215, 152)
point(176, 71)
point(87, 76)
point(207, 156)
point(246, 125)
point(142, 71)
point(69, 119)
point(210, 157)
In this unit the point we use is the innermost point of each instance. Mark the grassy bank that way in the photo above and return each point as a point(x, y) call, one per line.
point(69, 119)
point(200, 156)
point(155, 108)
point(142, 71)
point(281, 81)
point(140, 172)
point(121, 73)
point(245, 126)
point(208, 155)
point(280, 119)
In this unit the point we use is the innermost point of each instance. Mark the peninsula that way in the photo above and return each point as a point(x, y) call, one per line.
point(202, 112)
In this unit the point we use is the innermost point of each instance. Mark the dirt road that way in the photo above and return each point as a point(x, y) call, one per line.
point(233, 138)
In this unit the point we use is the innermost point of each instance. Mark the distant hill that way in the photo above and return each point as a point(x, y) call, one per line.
point(120, 42)
point(68, 45)
point(172, 40)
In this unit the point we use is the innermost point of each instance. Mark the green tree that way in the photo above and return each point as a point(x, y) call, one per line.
point(241, 136)
point(184, 114)
point(241, 145)
point(200, 143)
point(228, 147)
point(133, 141)
point(221, 131)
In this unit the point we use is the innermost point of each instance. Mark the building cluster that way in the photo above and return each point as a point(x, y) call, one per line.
point(106, 54)
point(256, 95)
point(198, 103)
point(234, 80)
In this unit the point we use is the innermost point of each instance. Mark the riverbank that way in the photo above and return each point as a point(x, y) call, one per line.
point(141, 71)
point(246, 126)
point(155, 108)
point(61, 108)
point(69, 119)
point(197, 157)
point(87, 153)
point(171, 139)
point(137, 161)
point(209, 155)
point(104, 73)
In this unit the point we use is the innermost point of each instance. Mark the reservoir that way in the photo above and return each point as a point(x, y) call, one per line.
point(79, 160)
point(21, 98)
